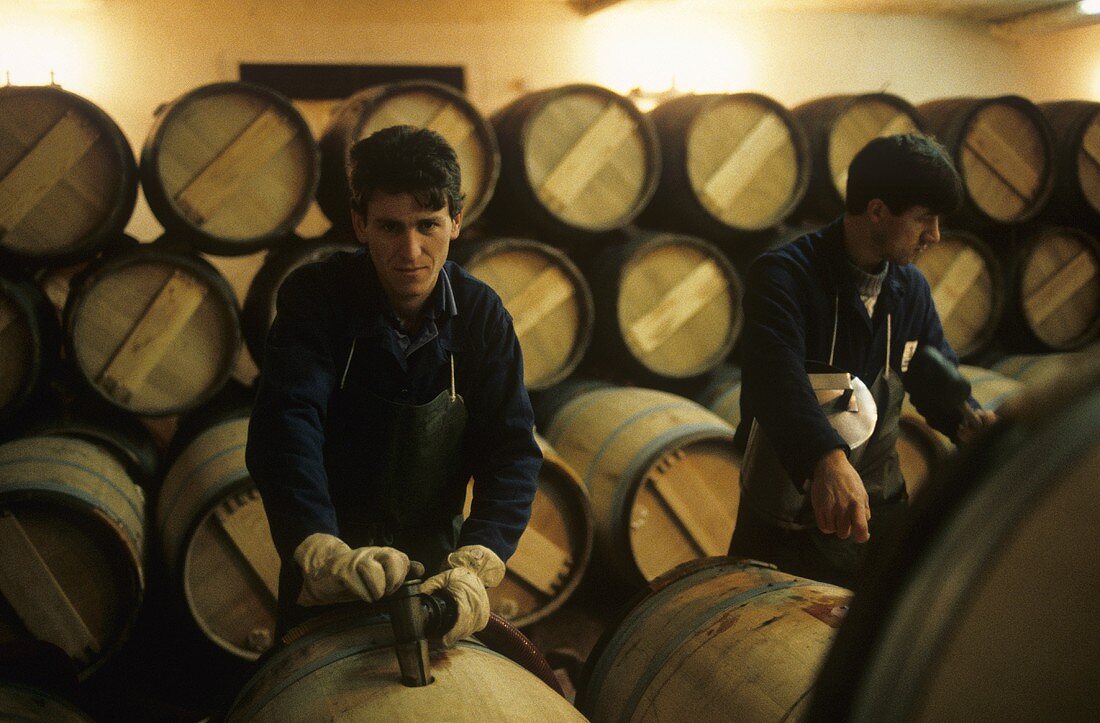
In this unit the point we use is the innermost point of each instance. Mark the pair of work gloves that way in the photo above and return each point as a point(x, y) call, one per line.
point(332, 572)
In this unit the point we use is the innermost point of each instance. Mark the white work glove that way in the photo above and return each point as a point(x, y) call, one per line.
point(473, 569)
point(332, 572)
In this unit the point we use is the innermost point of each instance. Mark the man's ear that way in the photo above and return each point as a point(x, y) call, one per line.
point(359, 225)
point(456, 225)
point(877, 209)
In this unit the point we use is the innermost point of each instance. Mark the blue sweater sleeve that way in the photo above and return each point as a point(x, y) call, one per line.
point(285, 450)
point(775, 387)
point(504, 456)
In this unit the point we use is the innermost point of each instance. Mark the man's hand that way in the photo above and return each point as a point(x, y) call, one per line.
point(332, 572)
point(970, 427)
point(473, 569)
point(839, 498)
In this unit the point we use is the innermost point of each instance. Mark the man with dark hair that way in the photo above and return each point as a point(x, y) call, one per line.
point(820, 474)
point(390, 378)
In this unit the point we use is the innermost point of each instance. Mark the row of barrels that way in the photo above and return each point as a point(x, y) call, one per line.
point(156, 329)
point(646, 479)
point(231, 168)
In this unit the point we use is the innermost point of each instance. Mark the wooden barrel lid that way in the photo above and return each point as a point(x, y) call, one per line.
point(216, 539)
point(1075, 126)
point(661, 472)
point(554, 550)
point(1003, 150)
point(29, 343)
point(259, 302)
point(71, 546)
point(740, 159)
point(837, 128)
point(68, 181)
point(578, 160)
point(230, 166)
point(967, 289)
point(548, 298)
point(153, 332)
point(676, 311)
point(1058, 288)
point(423, 104)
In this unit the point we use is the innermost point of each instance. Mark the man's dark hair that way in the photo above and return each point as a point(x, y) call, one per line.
point(904, 171)
point(405, 159)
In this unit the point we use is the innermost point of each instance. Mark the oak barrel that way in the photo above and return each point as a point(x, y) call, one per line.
point(921, 448)
point(576, 161)
point(231, 167)
point(715, 640)
point(344, 667)
point(420, 103)
point(33, 705)
point(668, 306)
point(837, 128)
point(217, 543)
point(554, 550)
point(967, 288)
point(1003, 150)
point(548, 298)
point(259, 304)
point(1056, 290)
point(722, 394)
point(1039, 368)
point(1076, 133)
point(71, 547)
point(30, 341)
point(153, 332)
point(68, 180)
point(661, 474)
point(984, 607)
point(730, 163)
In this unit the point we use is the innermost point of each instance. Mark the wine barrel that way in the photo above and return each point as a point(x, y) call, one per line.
point(32, 705)
point(668, 306)
point(231, 167)
point(1002, 533)
point(967, 288)
point(548, 298)
point(68, 180)
point(1056, 290)
point(217, 543)
point(1034, 369)
point(837, 128)
point(661, 473)
point(722, 395)
point(715, 640)
point(1003, 150)
point(30, 341)
point(1075, 126)
point(153, 332)
point(732, 163)
point(259, 302)
point(576, 161)
point(71, 546)
point(553, 552)
point(344, 667)
point(921, 448)
point(419, 103)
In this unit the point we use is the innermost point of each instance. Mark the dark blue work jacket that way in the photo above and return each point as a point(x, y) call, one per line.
point(299, 452)
point(793, 295)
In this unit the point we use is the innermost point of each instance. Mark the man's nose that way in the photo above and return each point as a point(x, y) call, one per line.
point(933, 233)
point(408, 244)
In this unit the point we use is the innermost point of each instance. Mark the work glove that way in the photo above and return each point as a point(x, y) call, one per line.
point(474, 568)
point(332, 572)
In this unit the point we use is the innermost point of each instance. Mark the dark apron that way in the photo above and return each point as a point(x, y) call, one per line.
point(796, 545)
point(413, 458)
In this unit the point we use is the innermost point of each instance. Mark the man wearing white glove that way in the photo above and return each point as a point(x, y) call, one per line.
point(390, 377)
point(474, 568)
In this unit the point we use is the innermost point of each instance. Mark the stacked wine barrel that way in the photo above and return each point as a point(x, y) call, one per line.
point(616, 239)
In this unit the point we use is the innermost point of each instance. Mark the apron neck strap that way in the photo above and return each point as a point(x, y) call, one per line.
point(454, 393)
